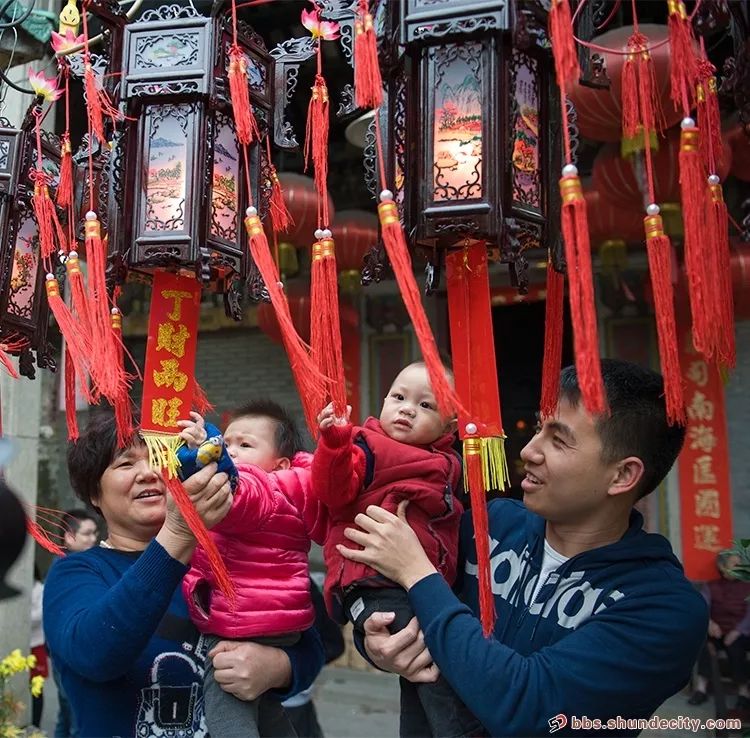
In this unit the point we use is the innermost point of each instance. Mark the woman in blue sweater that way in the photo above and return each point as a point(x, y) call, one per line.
point(117, 626)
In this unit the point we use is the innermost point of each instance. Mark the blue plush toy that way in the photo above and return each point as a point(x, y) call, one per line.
point(212, 449)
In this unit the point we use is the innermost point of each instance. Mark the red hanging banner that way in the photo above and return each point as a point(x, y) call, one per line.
point(705, 495)
point(168, 379)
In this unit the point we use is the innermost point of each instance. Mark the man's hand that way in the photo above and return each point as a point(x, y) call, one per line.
point(402, 653)
point(713, 629)
point(731, 637)
point(193, 431)
point(247, 670)
point(327, 418)
point(388, 545)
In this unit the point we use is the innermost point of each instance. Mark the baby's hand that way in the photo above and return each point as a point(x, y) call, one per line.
point(194, 431)
point(326, 418)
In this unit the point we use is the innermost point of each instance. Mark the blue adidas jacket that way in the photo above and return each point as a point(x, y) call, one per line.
point(613, 632)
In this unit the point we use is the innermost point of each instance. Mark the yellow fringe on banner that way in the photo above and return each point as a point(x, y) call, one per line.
point(162, 451)
point(494, 461)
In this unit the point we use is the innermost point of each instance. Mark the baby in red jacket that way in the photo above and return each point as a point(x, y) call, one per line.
point(406, 454)
point(264, 541)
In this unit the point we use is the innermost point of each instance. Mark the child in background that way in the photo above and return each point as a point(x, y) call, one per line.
point(264, 541)
point(405, 455)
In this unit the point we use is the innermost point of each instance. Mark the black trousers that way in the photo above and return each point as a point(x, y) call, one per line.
point(427, 710)
point(736, 655)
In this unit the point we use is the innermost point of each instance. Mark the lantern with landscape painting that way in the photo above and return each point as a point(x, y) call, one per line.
point(479, 94)
point(185, 178)
point(23, 305)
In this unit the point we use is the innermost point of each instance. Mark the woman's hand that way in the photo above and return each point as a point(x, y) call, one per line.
point(402, 653)
point(212, 496)
point(389, 545)
point(247, 670)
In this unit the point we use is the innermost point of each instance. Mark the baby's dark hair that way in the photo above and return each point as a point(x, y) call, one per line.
point(288, 437)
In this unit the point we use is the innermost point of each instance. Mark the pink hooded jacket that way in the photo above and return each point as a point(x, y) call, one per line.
point(264, 541)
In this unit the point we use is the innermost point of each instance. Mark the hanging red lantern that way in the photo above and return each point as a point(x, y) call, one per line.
point(355, 231)
point(301, 200)
point(298, 298)
point(600, 111)
point(740, 265)
point(609, 222)
point(617, 179)
point(740, 143)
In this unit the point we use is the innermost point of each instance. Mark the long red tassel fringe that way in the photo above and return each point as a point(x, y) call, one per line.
point(281, 218)
point(368, 84)
point(659, 251)
point(121, 402)
point(477, 494)
point(70, 398)
point(98, 105)
point(310, 383)
point(398, 254)
point(682, 56)
point(316, 142)
point(64, 195)
point(44, 213)
point(244, 120)
point(553, 341)
point(582, 302)
point(200, 400)
point(42, 538)
point(563, 43)
point(325, 330)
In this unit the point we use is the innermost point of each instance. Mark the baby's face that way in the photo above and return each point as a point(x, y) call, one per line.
point(252, 440)
point(410, 413)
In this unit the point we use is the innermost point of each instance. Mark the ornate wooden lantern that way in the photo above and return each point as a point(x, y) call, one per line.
point(479, 161)
point(23, 305)
point(183, 176)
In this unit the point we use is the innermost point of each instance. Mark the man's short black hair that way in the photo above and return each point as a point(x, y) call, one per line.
point(92, 453)
point(74, 518)
point(288, 438)
point(637, 424)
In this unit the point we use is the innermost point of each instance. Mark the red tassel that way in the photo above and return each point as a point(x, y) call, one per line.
point(107, 369)
point(122, 404)
point(477, 494)
point(64, 194)
point(198, 527)
point(281, 218)
point(78, 292)
point(659, 251)
point(693, 193)
point(398, 254)
point(76, 342)
point(98, 105)
point(581, 288)
point(553, 341)
point(244, 120)
point(70, 398)
point(682, 56)
point(325, 329)
point(310, 383)
point(709, 116)
point(368, 84)
point(200, 401)
point(44, 213)
point(42, 537)
point(563, 43)
point(641, 105)
point(316, 143)
point(718, 231)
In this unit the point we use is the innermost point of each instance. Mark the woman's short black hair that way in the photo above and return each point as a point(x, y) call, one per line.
point(288, 438)
point(91, 454)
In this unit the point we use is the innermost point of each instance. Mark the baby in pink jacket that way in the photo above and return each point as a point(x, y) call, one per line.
point(264, 541)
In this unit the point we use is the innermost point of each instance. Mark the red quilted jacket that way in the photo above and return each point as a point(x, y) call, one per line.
point(264, 541)
point(355, 467)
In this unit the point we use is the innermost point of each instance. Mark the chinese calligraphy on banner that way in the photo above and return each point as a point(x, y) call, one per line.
point(168, 379)
point(705, 497)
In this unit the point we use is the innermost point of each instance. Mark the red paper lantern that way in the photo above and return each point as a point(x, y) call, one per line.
point(600, 111)
point(301, 199)
point(354, 232)
point(609, 222)
point(615, 179)
point(298, 297)
point(740, 143)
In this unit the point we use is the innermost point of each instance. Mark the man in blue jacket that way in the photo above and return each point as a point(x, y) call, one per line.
point(596, 623)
